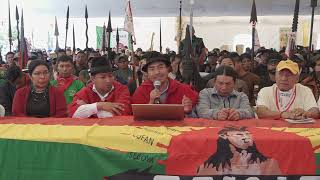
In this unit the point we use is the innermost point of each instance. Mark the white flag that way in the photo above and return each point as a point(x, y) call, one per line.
point(291, 42)
point(128, 22)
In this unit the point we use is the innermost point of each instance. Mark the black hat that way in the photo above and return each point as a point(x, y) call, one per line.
point(274, 58)
point(315, 58)
point(298, 58)
point(155, 57)
point(122, 56)
point(100, 65)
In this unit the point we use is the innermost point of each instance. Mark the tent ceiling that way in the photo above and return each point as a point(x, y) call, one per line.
point(166, 8)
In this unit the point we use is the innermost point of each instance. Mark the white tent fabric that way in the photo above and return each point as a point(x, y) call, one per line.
point(216, 31)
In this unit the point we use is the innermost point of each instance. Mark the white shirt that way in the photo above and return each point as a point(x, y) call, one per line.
point(304, 98)
point(87, 110)
point(285, 98)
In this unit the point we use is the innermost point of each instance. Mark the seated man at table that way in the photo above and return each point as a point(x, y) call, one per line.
point(222, 102)
point(287, 99)
point(169, 91)
point(105, 97)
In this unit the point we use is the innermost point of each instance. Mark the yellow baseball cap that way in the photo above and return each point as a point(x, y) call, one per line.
point(288, 64)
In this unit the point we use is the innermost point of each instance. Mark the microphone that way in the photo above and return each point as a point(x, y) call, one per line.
point(156, 85)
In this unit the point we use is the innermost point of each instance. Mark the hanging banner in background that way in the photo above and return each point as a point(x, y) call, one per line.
point(124, 38)
point(284, 36)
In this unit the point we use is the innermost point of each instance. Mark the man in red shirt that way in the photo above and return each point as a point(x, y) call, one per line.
point(104, 97)
point(169, 91)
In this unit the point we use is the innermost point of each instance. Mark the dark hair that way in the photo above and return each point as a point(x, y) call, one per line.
point(228, 57)
point(275, 57)
point(13, 73)
point(35, 63)
point(245, 56)
point(123, 57)
point(227, 71)
point(224, 53)
point(212, 53)
point(81, 52)
point(235, 57)
point(61, 51)
point(64, 58)
point(9, 54)
point(136, 56)
point(223, 155)
point(173, 57)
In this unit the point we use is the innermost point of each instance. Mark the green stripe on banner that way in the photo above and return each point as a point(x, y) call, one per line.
point(31, 160)
point(317, 155)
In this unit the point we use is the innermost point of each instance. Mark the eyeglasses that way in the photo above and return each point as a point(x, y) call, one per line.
point(45, 73)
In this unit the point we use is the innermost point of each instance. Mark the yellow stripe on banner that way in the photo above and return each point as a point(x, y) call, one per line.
point(121, 138)
point(313, 134)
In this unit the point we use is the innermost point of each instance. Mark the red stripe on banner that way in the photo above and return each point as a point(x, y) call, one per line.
point(316, 148)
point(162, 145)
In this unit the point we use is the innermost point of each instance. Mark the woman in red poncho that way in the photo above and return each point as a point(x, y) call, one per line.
point(39, 99)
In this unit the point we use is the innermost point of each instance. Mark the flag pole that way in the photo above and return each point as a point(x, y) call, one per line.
point(22, 43)
point(73, 40)
point(104, 39)
point(109, 31)
point(313, 5)
point(160, 38)
point(56, 33)
point(67, 27)
point(253, 20)
point(18, 30)
point(294, 27)
point(117, 39)
point(180, 24)
point(87, 37)
point(10, 31)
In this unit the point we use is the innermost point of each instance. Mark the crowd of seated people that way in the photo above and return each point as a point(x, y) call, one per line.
point(88, 84)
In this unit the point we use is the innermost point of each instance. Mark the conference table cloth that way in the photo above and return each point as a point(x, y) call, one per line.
point(89, 149)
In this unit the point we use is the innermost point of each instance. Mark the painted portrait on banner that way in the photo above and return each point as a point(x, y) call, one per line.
point(240, 151)
point(237, 153)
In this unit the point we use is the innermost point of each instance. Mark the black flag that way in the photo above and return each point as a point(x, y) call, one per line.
point(67, 27)
point(56, 33)
point(10, 31)
point(87, 37)
point(109, 31)
point(117, 39)
point(253, 17)
point(104, 39)
point(253, 20)
point(18, 30)
point(160, 38)
point(313, 5)
point(23, 48)
point(74, 41)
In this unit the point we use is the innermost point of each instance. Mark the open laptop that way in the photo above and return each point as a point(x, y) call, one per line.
point(158, 111)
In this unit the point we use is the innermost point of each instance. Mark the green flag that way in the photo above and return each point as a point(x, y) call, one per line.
point(99, 32)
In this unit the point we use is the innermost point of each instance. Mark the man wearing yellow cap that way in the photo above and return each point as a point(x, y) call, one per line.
point(287, 99)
